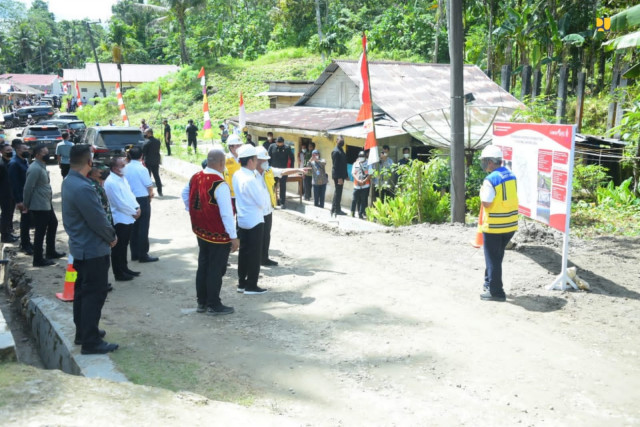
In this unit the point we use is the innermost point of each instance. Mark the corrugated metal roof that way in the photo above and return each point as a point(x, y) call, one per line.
point(306, 118)
point(30, 79)
point(404, 89)
point(280, 93)
point(131, 73)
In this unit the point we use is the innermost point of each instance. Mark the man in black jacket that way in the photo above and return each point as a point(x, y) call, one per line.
point(151, 152)
point(339, 174)
point(6, 201)
point(281, 157)
point(17, 176)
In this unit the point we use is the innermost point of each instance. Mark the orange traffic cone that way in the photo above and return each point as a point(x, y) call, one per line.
point(69, 282)
point(479, 241)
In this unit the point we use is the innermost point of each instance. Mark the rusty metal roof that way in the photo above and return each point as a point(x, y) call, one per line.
point(306, 118)
point(403, 89)
point(30, 79)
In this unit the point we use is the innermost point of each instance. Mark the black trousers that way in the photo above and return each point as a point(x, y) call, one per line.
point(282, 189)
point(155, 171)
point(119, 262)
point(337, 197)
point(359, 202)
point(25, 228)
point(140, 231)
point(249, 256)
point(90, 295)
point(6, 216)
point(306, 187)
point(266, 239)
point(193, 142)
point(46, 223)
point(494, 246)
point(167, 143)
point(318, 195)
point(64, 170)
point(212, 266)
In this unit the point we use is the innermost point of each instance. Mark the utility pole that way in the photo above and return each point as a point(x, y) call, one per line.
point(319, 23)
point(457, 111)
point(95, 54)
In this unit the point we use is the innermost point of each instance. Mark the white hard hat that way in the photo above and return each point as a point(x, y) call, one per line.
point(262, 153)
point(491, 151)
point(247, 150)
point(234, 140)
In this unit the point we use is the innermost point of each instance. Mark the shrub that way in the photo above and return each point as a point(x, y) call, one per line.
point(587, 179)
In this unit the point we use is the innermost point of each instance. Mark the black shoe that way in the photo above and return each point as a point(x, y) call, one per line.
point(43, 263)
point(109, 287)
point(218, 311)
point(55, 255)
point(160, 194)
point(340, 213)
point(149, 259)
point(27, 249)
point(488, 297)
point(102, 348)
point(101, 334)
point(132, 273)
point(201, 308)
point(123, 278)
point(269, 263)
point(9, 239)
point(134, 258)
point(254, 291)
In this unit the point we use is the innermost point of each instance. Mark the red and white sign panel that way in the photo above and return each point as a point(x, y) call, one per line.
point(541, 157)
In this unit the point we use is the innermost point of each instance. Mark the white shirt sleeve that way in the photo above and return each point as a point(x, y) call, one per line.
point(277, 172)
point(117, 198)
point(185, 195)
point(487, 192)
point(223, 197)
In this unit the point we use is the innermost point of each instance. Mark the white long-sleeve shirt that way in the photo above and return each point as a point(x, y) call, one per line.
point(223, 197)
point(138, 178)
point(250, 198)
point(121, 199)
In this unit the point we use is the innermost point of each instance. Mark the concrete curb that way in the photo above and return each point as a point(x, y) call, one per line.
point(7, 343)
point(54, 330)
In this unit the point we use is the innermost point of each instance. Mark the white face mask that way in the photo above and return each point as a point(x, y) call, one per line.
point(265, 165)
point(406, 155)
point(304, 150)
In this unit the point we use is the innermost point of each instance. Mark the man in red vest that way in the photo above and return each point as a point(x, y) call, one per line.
point(207, 197)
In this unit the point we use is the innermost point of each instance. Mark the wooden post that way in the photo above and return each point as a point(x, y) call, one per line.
point(505, 77)
point(537, 83)
point(615, 78)
point(622, 86)
point(582, 77)
point(525, 90)
point(561, 106)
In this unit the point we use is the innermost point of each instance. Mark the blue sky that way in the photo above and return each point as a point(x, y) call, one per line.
point(79, 9)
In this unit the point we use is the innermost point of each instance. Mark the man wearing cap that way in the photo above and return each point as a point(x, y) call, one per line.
point(232, 165)
point(151, 152)
point(250, 205)
point(361, 173)
point(499, 198)
point(281, 157)
point(207, 197)
point(268, 175)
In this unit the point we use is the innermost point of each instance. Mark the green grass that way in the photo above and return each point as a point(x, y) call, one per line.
point(589, 220)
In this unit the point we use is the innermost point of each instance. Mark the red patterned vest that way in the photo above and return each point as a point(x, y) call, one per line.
point(206, 221)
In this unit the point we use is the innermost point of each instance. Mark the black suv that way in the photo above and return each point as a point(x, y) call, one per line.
point(112, 141)
point(20, 116)
point(37, 134)
point(75, 128)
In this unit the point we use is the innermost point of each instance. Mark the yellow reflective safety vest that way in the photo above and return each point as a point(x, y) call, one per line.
point(231, 166)
point(270, 182)
point(502, 216)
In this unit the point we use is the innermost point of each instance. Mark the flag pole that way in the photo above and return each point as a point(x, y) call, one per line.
point(373, 122)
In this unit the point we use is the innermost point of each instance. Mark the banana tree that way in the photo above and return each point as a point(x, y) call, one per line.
point(624, 21)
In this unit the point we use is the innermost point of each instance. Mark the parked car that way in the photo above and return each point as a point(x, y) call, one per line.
point(37, 134)
point(20, 116)
point(65, 116)
point(112, 141)
point(76, 128)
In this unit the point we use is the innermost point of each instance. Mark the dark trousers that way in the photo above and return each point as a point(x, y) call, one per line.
point(46, 223)
point(167, 143)
point(6, 217)
point(25, 226)
point(119, 262)
point(249, 256)
point(266, 239)
point(193, 142)
point(64, 170)
point(494, 246)
point(155, 171)
point(282, 189)
point(140, 230)
point(212, 265)
point(307, 183)
point(318, 195)
point(90, 294)
point(337, 197)
point(359, 202)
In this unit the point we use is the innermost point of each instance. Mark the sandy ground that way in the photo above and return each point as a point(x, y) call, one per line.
point(387, 328)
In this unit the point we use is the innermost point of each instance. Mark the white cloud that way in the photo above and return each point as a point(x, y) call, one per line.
point(79, 9)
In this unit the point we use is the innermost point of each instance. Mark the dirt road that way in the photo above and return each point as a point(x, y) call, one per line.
point(384, 328)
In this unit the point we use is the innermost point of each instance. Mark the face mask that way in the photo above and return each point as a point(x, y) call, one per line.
point(405, 155)
point(304, 150)
point(340, 144)
point(264, 166)
point(8, 155)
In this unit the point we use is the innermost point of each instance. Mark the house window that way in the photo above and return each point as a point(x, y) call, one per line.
point(84, 89)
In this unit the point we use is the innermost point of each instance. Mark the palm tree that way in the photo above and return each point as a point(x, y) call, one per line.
point(177, 9)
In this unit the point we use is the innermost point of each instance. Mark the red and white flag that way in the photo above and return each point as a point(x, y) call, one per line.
point(366, 108)
point(78, 96)
point(123, 112)
point(201, 77)
point(242, 116)
point(159, 95)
